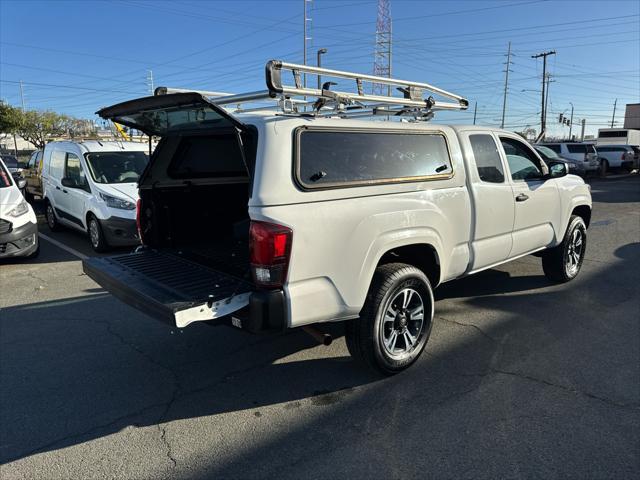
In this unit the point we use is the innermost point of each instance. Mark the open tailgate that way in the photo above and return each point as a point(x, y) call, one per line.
point(169, 287)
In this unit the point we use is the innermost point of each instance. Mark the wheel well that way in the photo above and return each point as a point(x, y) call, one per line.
point(420, 255)
point(583, 211)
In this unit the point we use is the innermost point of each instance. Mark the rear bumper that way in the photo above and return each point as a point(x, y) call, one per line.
point(120, 232)
point(20, 241)
point(265, 312)
point(177, 291)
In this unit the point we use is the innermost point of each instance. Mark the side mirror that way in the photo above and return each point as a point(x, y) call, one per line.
point(21, 183)
point(69, 182)
point(558, 169)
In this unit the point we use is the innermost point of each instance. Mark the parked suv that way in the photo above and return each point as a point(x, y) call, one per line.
point(18, 226)
point(92, 187)
point(616, 156)
point(272, 221)
point(580, 152)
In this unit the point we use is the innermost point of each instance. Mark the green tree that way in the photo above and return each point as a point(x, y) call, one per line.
point(38, 127)
point(9, 118)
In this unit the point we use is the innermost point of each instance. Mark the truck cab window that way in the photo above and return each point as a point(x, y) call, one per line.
point(523, 163)
point(487, 157)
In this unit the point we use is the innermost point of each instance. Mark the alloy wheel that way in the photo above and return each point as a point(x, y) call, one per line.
point(403, 323)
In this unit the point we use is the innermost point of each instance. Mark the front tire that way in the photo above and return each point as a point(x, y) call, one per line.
point(563, 263)
point(395, 322)
point(96, 235)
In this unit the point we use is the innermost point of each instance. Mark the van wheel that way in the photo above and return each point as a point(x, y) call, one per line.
point(395, 322)
point(562, 263)
point(52, 220)
point(96, 236)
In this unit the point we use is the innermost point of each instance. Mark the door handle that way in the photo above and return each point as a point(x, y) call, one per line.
point(57, 187)
point(522, 197)
point(64, 191)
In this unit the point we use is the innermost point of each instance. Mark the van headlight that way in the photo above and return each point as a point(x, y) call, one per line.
point(115, 202)
point(20, 209)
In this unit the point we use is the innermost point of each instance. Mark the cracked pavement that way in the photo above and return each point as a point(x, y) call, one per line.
point(521, 378)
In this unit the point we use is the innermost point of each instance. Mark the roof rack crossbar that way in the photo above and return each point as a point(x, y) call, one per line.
point(289, 98)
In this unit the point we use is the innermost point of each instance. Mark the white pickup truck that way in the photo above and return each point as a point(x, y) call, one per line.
point(271, 220)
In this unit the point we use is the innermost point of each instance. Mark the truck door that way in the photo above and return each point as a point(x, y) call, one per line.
point(536, 199)
point(492, 201)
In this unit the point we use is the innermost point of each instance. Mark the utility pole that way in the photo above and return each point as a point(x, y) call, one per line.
point(382, 53)
point(150, 81)
point(506, 84)
point(571, 121)
point(544, 56)
point(305, 19)
point(546, 98)
point(22, 95)
point(582, 134)
point(613, 119)
point(475, 110)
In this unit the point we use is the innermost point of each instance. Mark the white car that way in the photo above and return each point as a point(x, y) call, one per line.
point(272, 220)
point(18, 224)
point(91, 186)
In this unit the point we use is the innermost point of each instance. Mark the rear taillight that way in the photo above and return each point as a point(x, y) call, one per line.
point(138, 215)
point(623, 156)
point(270, 249)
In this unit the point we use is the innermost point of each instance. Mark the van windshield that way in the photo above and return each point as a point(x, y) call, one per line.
point(116, 167)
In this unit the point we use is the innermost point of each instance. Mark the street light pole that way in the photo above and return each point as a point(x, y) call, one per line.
point(571, 121)
point(319, 54)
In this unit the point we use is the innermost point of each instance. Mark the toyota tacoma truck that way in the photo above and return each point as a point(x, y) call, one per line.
point(280, 217)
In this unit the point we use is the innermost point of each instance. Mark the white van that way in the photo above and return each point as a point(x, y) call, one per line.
point(18, 225)
point(92, 186)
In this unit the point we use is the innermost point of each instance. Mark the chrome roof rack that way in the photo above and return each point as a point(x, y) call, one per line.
point(416, 98)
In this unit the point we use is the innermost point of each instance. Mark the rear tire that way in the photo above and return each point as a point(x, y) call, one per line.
point(395, 322)
point(563, 263)
point(52, 220)
point(96, 235)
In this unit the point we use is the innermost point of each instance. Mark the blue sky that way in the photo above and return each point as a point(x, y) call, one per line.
point(77, 56)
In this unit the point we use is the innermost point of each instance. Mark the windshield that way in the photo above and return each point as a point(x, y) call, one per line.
point(116, 167)
point(5, 177)
point(546, 151)
point(10, 161)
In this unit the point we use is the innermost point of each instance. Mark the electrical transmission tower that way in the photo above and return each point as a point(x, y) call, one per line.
point(382, 55)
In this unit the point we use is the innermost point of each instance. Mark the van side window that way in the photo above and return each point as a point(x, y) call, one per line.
point(524, 165)
point(56, 168)
point(73, 169)
point(488, 162)
point(556, 148)
point(337, 158)
point(32, 161)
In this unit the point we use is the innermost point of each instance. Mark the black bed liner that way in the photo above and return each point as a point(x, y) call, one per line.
point(163, 283)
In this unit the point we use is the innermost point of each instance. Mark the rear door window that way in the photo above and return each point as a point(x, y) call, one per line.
point(580, 148)
point(487, 157)
point(341, 158)
point(208, 156)
point(554, 147)
point(56, 167)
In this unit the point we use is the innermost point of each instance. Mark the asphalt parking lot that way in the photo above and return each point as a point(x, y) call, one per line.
point(521, 378)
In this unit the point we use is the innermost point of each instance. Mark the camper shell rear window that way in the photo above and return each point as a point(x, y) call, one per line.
point(330, 158)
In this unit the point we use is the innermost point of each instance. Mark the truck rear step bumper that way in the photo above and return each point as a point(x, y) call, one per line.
point(178, 291)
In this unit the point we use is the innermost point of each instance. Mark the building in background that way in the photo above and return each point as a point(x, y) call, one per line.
point(632, 116)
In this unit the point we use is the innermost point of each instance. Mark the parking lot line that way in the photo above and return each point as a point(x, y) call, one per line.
point(63, 246)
